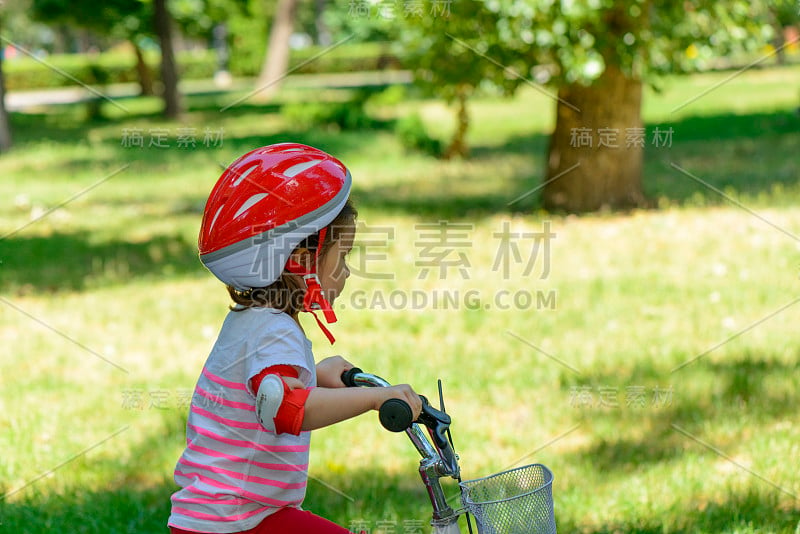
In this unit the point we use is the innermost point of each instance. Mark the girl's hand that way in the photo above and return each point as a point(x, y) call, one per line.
point(329, 372)
point(402, 392)
point(293, 383)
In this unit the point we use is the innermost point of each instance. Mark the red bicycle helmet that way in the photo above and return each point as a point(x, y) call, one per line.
point(264, 204)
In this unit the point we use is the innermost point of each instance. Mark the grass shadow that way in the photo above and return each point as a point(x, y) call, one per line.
point(629, 434)
point(72, 261)
point(742, 155)
point(60, 127)
point(429, 205)
point(745, 512)
point(133, 497)
point(471, 188)
point(112, 510)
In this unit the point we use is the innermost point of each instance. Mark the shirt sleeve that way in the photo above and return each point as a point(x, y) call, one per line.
point(280, 342)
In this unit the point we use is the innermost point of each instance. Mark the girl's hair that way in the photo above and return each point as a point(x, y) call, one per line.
point(287, 292)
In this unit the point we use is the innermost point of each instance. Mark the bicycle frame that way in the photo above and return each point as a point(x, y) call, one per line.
point(438, 460)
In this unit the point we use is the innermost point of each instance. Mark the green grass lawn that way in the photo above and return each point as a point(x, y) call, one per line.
point(656, 375)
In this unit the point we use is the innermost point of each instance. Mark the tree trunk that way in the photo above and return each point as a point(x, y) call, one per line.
point(276, 62)
point(142, 71)
point(5, 127)
point(323, 33)
point(458, 144)
point(779, 40)
point(61, 40)
point(84, 41)
point(169, 70)
point(594, 159)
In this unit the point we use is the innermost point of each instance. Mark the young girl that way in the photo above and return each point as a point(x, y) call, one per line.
point(276, 229)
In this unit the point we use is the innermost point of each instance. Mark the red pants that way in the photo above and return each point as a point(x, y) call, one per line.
point(288, 521)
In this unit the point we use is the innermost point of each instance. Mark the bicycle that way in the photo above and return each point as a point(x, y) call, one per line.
point(515, 501)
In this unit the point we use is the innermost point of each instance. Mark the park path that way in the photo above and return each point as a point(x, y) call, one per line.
point(32, 99)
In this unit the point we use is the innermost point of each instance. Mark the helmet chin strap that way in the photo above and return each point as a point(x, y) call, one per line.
point(314, 298)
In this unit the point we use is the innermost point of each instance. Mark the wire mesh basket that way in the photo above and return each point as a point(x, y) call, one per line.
point(517, 501)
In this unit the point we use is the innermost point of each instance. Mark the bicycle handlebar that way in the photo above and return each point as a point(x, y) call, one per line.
point(348, 377)
point(396, 416)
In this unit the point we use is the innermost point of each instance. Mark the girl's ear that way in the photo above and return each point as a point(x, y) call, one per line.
point(303, 256)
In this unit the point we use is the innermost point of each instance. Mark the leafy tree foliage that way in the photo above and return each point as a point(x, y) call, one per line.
point(594, 55)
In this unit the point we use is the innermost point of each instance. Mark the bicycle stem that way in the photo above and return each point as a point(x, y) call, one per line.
point(435, 462)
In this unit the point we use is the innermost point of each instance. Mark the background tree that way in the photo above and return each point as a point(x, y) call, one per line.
point(784, 14)
point(131, 19)
point(5, 126)
point(276, 61)
point(596, 55)
point(603, 54)
point(11, 15)
point(444, 44)
point(162, 22)
point(118, 19)
point(322, 34)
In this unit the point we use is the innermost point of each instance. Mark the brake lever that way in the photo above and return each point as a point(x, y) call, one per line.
point(437, 421)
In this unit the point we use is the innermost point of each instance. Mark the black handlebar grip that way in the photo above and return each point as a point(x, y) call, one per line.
point(348, 376)
point(395, 415)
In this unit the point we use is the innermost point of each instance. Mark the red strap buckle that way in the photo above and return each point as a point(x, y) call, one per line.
point(314, 298)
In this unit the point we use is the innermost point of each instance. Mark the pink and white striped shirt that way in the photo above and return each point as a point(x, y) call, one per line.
point(233, 472)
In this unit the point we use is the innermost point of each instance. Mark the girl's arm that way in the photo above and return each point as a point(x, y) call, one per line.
point(298, 408)
point(326, 406)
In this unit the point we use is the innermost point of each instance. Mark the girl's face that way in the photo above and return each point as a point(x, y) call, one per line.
point(332, 269)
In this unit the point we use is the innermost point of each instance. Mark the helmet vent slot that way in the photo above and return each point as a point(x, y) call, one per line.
point(249, 203)
point(242, 176)
point(214, 220)
point(294, 170)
